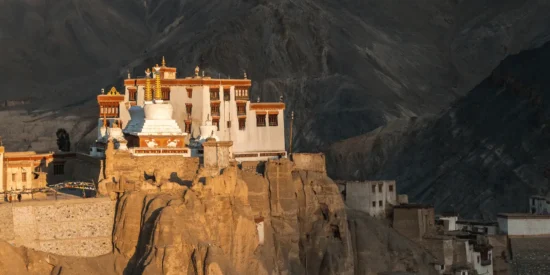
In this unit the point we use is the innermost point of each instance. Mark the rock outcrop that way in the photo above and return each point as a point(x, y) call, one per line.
point(211, 229)
point(276, 218)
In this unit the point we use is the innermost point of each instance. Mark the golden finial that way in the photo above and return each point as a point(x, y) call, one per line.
point(163, 62)
point(158, 92)
point(197, 69)
point(148, 93)
point(113, 91)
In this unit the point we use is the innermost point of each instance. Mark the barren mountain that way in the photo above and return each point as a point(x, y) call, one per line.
point(344, 67)
point(486, 153)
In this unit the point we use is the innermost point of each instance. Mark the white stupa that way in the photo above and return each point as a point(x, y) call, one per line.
point(155, 118)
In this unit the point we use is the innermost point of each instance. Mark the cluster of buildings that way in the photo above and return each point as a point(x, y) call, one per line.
point(517, 243)
point(159, 116)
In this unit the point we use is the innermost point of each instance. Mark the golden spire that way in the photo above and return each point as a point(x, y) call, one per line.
point(197, 69)
point(148, 93)
point(158, 92)
point(163, 62)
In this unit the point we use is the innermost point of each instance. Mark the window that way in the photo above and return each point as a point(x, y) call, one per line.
point(379, 203)
point(226, 95)
point(13, 177)
point(273, 121)
point(241, 109)
point(24, 177)
point(380, 188)
point(58, 169)
point(214, 95)
point(229, 124)
point(373, 204)
point(188, 127)
point(373, 188)
point(132, 94)
point(189, 93)
point(216, 122)
point(260, 120)
point(189, 109)
point(165, 93)
point(215, 110)
point(242, 123)
point(478, 260)
point(391, 188)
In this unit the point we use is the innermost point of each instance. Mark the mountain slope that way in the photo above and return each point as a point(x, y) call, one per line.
point(486, 154)
point(344, 67)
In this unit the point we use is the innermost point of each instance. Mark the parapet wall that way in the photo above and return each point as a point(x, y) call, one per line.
point(172, 168)
point(78, 227)
point(310, 162)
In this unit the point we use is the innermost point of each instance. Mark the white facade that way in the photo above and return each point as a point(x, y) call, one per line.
point(254, 141)
point(449, 222)
point(524, 224)
point(539, 205)
point(484, 267)
point(260, 229)
point(372, 197)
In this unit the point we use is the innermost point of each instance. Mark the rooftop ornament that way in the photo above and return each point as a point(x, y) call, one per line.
point(197, 69)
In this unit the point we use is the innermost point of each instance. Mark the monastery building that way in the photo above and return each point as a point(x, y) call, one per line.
point(164, 115)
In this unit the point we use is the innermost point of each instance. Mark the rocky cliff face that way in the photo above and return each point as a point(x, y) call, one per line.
point(485, 154)
point(211, 228)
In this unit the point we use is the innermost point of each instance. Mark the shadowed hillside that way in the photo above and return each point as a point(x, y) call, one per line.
point(344, 67)
point(486, 154)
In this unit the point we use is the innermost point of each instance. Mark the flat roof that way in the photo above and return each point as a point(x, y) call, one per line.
point(523, 216)
point(414, 206)
point(477, 222)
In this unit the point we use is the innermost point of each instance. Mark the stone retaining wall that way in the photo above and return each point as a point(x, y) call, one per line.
point(77, 227)
point(310, 162)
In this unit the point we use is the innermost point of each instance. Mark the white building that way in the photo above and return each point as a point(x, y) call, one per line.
point(255, 128)
point(539, 205)
point(481, 257)
point(372, 197)
point(519, 224)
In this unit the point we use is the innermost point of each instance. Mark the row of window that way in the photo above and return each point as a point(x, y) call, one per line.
point(390, 188)
point(380, 203)
point(273, 120)
point(214, 95)
point(260, 122)
point(23, 177)
point(132, 94)
point(108, 110)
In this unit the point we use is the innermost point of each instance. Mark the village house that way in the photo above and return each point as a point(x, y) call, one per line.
point(373, 197)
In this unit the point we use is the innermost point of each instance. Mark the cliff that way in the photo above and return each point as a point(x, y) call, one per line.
point(211, 228)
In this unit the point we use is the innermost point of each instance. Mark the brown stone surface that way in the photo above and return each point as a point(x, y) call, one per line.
point(210, 228)
point(78, 227)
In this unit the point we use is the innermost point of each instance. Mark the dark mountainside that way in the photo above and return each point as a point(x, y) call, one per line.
point(486, 154)
point(344, 67)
